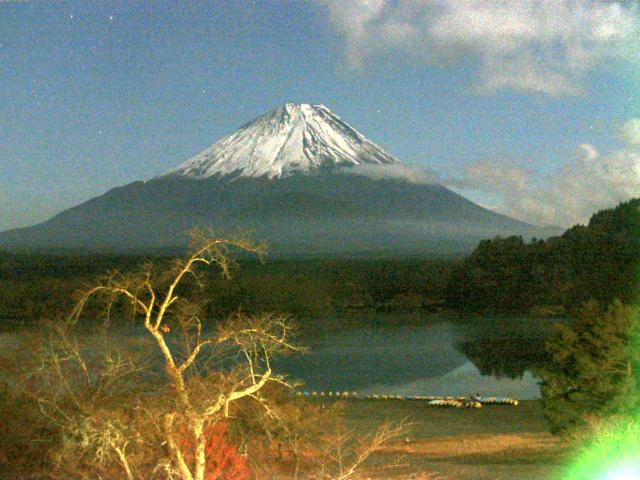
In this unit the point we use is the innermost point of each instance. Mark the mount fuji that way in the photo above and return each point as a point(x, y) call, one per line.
point(298, 177)
point(290, 139)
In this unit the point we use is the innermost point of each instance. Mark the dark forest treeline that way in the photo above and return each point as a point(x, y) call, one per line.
point(598, 261)
point(41, 286)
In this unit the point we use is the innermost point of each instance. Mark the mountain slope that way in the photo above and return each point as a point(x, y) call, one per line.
point(298, 177)
point(323, 214)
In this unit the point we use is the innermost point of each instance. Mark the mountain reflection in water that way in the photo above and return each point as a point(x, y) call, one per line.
point(439, 357)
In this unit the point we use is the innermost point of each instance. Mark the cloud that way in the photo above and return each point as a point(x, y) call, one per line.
point(629, 133)
point(588, 182)
point(394, 171)
point(546, 46)
point(484, 175)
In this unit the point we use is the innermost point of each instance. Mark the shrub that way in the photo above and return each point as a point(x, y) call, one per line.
point(594, 367)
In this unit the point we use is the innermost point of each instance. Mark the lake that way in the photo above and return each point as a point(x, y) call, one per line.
point(433, 356)
point(490, 357)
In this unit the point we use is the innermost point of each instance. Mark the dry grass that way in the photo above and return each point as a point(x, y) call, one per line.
point(492, 443)
point(458, 446)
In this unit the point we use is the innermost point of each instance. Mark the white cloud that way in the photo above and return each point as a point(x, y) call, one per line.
point(588, 182)
point(629, 133)
point(394, 171)
point(544, 46)
point(485, 175)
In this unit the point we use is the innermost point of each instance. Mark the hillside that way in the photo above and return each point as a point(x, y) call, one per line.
point(600, 261)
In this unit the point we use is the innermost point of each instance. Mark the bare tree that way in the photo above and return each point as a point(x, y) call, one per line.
point(345, 453)
point(148, 404)
point(240, 348)
point(314, 441)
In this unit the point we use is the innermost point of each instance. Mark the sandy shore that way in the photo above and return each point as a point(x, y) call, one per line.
point(491, 443)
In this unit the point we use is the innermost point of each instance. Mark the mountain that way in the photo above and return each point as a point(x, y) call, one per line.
point(291, 139)
point(298, 177)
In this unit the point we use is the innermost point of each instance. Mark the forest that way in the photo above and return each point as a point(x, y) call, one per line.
point(598, 261)
point(41, 286)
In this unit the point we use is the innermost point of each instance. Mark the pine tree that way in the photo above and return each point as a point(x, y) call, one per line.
point(594, 367)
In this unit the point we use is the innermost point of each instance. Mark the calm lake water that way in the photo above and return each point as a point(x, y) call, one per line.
point(439, 357)
point(433, 356)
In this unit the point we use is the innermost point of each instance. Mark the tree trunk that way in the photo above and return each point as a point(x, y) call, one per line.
point(125, 464)
point(171, 369)
point(175, 452)
point(296, 468)
point(200, 453)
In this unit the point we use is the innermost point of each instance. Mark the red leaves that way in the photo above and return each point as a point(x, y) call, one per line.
point(223, 462)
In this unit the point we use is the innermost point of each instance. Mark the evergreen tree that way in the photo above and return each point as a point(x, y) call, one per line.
point(593, 368)
point(599, 261)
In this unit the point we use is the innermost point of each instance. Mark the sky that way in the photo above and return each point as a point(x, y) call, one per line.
point(530, 108)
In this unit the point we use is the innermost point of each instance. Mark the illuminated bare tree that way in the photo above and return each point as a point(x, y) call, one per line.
point(158, 402)
point(207, 368)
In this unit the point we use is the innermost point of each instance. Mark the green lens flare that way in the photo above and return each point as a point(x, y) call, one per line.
point(625, 472)
point(613, 454)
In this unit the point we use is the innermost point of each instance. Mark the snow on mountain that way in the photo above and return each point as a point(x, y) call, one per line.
point(291, 138)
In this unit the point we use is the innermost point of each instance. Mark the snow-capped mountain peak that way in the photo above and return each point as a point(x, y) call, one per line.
point(292, 138)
